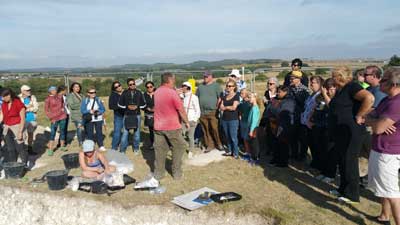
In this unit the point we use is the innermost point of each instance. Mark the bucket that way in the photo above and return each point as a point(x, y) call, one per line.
point(71, 160)
point(57, 179)
point(14, 169)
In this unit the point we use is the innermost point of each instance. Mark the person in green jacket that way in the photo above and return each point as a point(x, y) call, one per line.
point(74, 100)
point(253, 119)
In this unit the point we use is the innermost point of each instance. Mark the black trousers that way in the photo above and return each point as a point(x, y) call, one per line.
point(319, 150)
point(299, 141)
point(348, 141)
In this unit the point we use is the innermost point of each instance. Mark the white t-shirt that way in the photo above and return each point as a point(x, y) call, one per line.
point(95, 107)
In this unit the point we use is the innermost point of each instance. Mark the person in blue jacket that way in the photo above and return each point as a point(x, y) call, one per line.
point(93, 110)
point(252, 121)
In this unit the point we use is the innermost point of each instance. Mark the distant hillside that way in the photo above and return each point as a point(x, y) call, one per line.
point(197, 65)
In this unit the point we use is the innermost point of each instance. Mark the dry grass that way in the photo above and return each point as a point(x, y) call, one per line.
point(288, 196)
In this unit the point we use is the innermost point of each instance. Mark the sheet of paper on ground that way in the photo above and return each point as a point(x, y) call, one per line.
point(186, 200)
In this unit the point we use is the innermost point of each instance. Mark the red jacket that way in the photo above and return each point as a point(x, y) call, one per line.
point(54, 108)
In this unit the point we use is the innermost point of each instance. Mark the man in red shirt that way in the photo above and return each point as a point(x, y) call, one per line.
point(168, 112)
point(13, 117)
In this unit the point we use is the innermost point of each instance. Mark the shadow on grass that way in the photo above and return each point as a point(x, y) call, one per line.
point(300, 184)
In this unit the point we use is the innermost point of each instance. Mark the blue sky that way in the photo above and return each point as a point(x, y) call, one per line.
point(80, 33)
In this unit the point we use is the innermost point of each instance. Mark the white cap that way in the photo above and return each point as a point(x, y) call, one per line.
point(235, 73)
point(88, 146)
point(187, 84)
point(25, 87)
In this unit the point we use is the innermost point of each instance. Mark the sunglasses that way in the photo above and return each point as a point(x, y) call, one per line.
point(295, 65)
point(271, 83)
point(368, 74)
point(149, 87)
point(28, 90)
point(132, 84)
point(117, 86)
point(92, 92)
point(230, 86)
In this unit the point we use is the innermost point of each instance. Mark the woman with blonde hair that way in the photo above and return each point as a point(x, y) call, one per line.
point(252, 121)
point(347, 112)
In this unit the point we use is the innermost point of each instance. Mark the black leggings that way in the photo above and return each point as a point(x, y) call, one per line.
point(348, 141)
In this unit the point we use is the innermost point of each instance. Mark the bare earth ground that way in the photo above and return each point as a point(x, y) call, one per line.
point(270, 196)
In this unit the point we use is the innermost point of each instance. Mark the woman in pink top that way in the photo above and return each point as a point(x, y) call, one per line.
point(384, 159)
point(55, 111)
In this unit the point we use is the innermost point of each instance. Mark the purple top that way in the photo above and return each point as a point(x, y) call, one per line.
point(383, 143)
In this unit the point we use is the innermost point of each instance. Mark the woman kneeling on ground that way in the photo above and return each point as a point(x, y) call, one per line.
point(92, 162)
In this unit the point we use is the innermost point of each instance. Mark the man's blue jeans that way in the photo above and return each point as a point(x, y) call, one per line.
point(118, 125)
point(136, 138)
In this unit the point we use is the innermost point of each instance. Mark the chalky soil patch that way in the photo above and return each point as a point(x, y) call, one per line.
point(19, 206)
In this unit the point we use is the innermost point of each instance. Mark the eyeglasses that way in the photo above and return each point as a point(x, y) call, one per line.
point(271, 83)
point(117, 86)
point(368, 74)
point(131, 84)
point(92, 92)
point(230, 86)
point(149, 87)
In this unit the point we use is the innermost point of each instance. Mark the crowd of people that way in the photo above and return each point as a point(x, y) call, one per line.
point(338, 119)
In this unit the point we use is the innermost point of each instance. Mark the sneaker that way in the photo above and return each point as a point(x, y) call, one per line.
point(334, 192)
point(136, 152)
point(347, 201)
point(50, 152)
point(63, 148)
point(148, 184)
point(245, 157)
point(190, 155)
point(2, 174)
point(227, 154)
point(328, 180)
point(254, 162)
point(320, 177)
point(221, 148)
point(102, 149)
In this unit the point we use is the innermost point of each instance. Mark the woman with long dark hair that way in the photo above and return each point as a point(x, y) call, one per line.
point(13, 118)
point(74, 100)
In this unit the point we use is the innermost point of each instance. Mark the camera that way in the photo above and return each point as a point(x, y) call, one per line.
point(96, 114)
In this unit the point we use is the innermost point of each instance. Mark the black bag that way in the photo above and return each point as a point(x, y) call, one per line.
point(87, 117)
point(149, 120)
point(131, 121)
